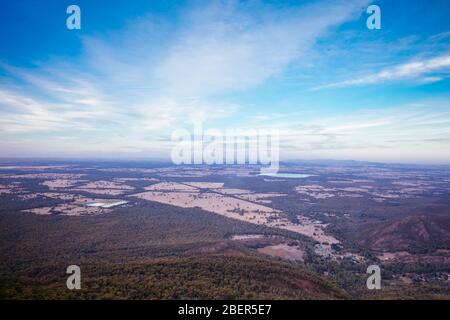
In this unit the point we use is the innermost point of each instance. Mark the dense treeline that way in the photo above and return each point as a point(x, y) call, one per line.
point(146, 251)
point(146, 229)
point(198, 277)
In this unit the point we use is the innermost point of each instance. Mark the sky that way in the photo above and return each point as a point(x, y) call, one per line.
point(137, 71)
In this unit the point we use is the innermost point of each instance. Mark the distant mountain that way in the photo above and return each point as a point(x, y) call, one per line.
point(410, 233)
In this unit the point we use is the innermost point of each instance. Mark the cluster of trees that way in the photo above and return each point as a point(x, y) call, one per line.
point(196, 277)
point(149, 250)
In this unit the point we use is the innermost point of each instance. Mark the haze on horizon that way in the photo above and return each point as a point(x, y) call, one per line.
point(132, 75)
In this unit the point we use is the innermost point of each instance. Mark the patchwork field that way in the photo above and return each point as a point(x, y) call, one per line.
point(333, 220)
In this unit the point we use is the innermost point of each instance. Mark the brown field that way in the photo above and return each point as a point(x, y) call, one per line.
point(67, 210)
point(284, 251)
point(230, 203)
point(171, 187)
point(106, 185)
point(227, 206)
point(78, 206)
point(263, 198)
point(60, 183)
point(105, 188)
point(205, 185)
point(312, 229)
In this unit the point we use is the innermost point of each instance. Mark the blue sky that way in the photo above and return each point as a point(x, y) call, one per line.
point(137, 71)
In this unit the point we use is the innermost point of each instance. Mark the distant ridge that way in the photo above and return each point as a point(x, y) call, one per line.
point(410, 233)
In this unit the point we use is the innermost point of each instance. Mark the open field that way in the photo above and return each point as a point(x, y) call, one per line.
point(333, 218)
point(284, 251)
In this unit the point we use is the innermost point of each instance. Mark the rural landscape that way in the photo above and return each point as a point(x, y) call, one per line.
point(225, 150)
point(159, 231)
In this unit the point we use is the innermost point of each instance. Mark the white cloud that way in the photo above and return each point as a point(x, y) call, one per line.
point(229, 49)
point(407, 133)
point(408, 70)
point(155, 75)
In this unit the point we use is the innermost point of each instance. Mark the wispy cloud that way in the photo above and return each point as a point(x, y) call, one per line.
point(229, 48)
point(412, 132)
point(129, 88)
point(153, 75)
point(418, 70)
